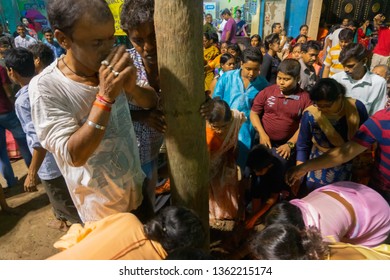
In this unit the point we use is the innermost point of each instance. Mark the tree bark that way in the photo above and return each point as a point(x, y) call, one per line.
point(179, 36)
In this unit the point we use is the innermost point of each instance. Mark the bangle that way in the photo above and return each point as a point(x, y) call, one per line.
point(102, 106)
point(102, 99)
point(95, 125)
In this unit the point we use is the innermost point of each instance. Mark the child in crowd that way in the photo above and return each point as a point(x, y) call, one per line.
point(332, 63)
point(239, 88)
point(271, 61)
point(277, 111)
point(215, 64)
point(227, 63)
point(267, 182)
point(21, 69)
point(234, 50)
point(256, 40)
point(295, 51)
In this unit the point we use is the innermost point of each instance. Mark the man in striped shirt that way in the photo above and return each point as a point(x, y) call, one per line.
point(332, 63)
point(374, 130)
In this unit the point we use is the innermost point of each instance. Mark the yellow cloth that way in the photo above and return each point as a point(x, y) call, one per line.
point(209, 54)
point(353, 121)
point(345, 251)
point(118, 236)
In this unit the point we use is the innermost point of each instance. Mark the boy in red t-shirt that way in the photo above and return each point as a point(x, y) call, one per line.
point(277, 111)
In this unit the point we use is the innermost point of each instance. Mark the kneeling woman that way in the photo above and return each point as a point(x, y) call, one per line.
point(343, 211)
point(123, 237)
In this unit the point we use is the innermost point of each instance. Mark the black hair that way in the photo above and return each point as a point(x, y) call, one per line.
point(299, 36)
point(237, 49)
point(5, 41)
point(221, 112)
point(302, 26)
point(189, 254)
point(353, 50)
point(346, 35)
point(270, 39)
point(43, 52)
point(351, 23)
point(333, 28)
point(256, 36)
point(46, 30)
point(21, 61)
point(226, 12)
point(21, 19)
point(64, 15)
point(292, 47)
point(259, 157)
point(290, 66)
point(225, 58)
point(238, 10)
point(214, 37)
point(285, 213)
point(287, 242)
point(274, 25)
point(206, 35)
point(176, 227)
point(327, 89)
point(252, 54)
point(136, 12)
point(21, 25)
point(311, 45)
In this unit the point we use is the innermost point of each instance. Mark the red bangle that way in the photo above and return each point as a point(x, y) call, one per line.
point(102, 106)
point(102, 99)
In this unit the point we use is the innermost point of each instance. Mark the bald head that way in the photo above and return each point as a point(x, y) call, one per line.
point(383, 71)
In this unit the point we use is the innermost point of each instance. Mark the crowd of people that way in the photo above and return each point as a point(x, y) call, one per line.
point(296, 130)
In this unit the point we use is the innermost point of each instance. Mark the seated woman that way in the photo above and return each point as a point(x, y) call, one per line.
point(344, 211)
point(332, 120)
point(123, 236)
point(288, 242)
point(225, 198)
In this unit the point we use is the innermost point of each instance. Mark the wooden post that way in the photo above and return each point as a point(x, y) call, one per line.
point(179, 36)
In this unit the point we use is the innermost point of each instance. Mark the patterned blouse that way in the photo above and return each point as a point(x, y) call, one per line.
point(149, 140)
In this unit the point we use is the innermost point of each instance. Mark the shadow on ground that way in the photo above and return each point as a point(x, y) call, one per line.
point(9, 221)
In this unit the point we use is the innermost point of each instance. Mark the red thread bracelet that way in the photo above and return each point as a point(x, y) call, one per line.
point(102, 99)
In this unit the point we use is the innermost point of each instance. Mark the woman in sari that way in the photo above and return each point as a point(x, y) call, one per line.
point(122, 236)
point(222, 130)
point(210, 52)
point(332, 120)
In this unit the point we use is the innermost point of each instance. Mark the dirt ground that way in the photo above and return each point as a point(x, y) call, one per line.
point(25, 236)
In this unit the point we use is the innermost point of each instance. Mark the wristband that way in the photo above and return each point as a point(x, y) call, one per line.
point(102, 106)
point(102, 99)
point(95, 125)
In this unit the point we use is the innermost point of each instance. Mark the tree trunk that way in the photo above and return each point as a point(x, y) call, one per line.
point(178, 27)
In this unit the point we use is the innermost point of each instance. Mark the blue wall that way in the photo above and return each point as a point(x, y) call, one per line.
point(296, 12)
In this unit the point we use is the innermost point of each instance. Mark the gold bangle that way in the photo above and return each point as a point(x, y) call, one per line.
point(95, 125)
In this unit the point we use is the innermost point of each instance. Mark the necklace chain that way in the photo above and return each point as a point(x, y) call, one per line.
point(74, 72)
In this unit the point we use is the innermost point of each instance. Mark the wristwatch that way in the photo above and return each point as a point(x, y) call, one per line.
point(291, 145)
